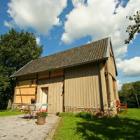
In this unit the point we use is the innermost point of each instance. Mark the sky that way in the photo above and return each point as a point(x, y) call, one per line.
point(63, 24)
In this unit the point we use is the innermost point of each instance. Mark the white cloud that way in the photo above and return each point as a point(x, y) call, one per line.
point(38, 40)
point(130, 67)
point(40, 15)
point(119, 84)
point(8, 24)
point(77, 3)
point(96, 18)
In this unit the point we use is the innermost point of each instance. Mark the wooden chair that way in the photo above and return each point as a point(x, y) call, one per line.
point(120, 106)
point(29, 110)
point(32, 109)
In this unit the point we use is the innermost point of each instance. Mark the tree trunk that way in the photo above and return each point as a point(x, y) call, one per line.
point(137, 100)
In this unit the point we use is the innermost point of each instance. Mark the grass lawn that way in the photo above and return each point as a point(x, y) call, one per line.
point(9, 113)
point(124, 127)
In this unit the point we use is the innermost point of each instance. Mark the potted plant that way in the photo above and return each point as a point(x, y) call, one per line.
point(41, 117)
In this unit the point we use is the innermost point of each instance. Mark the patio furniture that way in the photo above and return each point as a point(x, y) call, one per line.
point(121, 106)
point(31, 109)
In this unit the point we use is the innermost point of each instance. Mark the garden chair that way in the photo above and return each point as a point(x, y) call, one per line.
point(38, 108)
point(34, 111)
point(31, 110)
point(121, 106)
point(28, 110)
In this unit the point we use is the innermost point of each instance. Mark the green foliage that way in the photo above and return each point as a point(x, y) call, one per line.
point(16, 49)
point(124, 127)
point(80, 114)
point(42, 114)
point(134, 28)
point(85, 115)
point(130, 94)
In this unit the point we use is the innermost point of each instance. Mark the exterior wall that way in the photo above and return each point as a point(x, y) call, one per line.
point(117, 95)
point(55, 93)
point(77, 89)
point(112, 97)
point(111, 65)
point(112, 83)
point(82, 88)
point(25, 91)
point(104, 86)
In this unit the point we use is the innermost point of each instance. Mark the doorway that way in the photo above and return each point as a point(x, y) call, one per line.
point(43, 97)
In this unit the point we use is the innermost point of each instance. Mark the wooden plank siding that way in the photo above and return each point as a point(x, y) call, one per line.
point(81, 88)
point(73, 89)
point(28, 89)
point(55, 93)
point(112, 82)
point(104, 86)
point(25, 91)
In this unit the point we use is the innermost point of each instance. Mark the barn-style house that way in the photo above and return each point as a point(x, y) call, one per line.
point(78, 79)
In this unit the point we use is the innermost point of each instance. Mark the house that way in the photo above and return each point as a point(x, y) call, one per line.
point(78, 79)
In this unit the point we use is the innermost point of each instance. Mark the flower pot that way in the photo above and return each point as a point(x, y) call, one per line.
point(41, 120)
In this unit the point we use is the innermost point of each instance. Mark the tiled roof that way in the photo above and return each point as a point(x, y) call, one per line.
point(91, 52)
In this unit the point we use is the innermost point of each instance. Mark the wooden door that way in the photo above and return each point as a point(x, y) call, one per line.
point(55, 98)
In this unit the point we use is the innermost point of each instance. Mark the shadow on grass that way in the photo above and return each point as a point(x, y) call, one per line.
point(114, 128)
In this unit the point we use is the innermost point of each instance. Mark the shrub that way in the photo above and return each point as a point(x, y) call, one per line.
point(84, 115)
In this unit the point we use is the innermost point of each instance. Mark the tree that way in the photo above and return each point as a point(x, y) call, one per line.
point(130, 93)
point(134, 28)
point(16, 49)
point(136, 92)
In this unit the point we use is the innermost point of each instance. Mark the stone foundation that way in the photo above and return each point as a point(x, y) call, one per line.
point(81, 109)
point(94, 111)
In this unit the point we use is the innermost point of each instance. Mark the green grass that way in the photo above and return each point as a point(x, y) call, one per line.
point(9, 113)
point(126, 126)
point(132, 113)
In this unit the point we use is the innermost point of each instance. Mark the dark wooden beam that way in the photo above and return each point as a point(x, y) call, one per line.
point(36, 87)
point(25, 95)
point(20, 92)
point(63, 91)
point(25, 87)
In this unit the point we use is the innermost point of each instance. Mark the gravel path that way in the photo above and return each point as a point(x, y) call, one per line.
point(17, 128)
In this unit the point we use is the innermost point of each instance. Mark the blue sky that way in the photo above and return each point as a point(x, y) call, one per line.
point(64, 24)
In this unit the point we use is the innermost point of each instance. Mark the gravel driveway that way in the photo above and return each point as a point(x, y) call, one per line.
point(17, 128)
